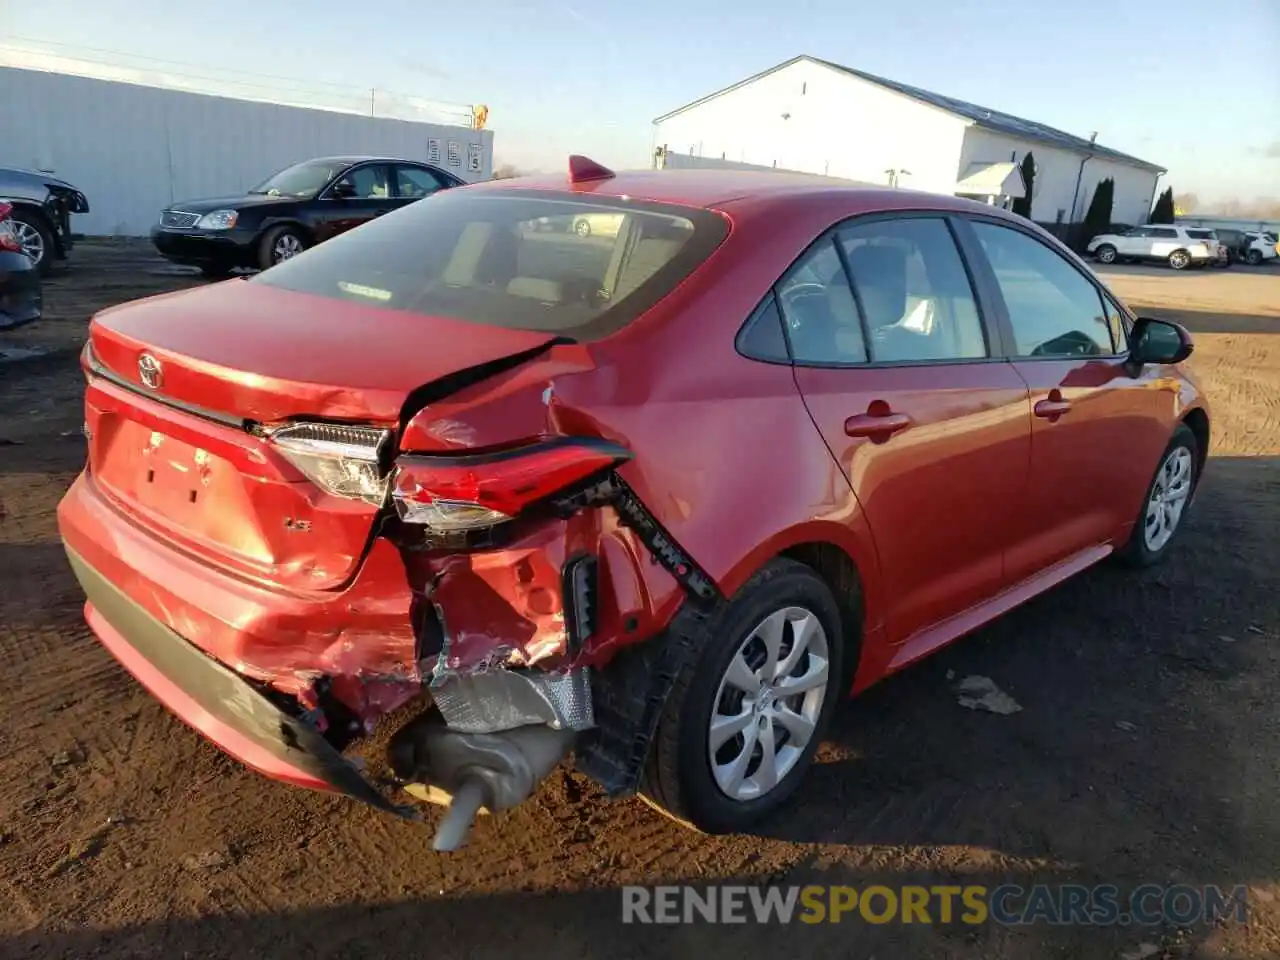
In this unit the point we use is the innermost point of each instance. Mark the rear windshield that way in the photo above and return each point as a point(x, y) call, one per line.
point(580, 268)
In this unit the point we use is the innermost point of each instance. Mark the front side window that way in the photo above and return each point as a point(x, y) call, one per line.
point(369, 182)
point(510, 259)
point(913, 291)
point(1055, 311)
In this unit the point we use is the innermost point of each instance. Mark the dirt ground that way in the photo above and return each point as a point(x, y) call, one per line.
point(1147, 749)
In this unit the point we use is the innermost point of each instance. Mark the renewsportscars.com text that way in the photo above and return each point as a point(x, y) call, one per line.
point(1009, 904)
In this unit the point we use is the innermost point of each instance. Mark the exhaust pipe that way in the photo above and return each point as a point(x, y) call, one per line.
point(476, 771)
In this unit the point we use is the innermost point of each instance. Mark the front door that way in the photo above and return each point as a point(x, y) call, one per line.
point(359, 195)
point(1095, 440)
point(931, 430)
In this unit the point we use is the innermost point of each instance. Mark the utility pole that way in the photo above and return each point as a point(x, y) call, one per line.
point(373, 92)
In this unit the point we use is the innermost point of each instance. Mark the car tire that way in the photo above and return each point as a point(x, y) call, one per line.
point(582, 228)
point(1178, 470)
point(683, 778)
point(1105, 254)
point(280, 244)
point(1179, 260)
point(1254, 257)
point(215, 273)
point(35, 227)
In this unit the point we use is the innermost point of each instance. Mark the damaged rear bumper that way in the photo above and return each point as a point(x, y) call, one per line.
point(214, 700)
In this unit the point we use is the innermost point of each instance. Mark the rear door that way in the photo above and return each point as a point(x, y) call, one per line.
point(371, 197)
point(1095, 439)
point(903, 380)
point(1164, 240)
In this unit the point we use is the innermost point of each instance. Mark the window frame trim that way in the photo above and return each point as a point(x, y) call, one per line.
point(996, 295)
point(993, 334)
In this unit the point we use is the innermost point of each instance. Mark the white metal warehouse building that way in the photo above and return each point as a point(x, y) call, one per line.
point(134, 149)
point(814, 116)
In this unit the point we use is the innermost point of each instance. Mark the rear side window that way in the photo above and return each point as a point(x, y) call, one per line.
point(913, 290)
point(1163, 233)
point(580, 268)
point(1053, 309)
point(416, 182)
point(819, 311)
point(1202, 234)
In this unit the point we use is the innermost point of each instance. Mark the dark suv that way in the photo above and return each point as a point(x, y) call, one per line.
point(296, 208)
point(41, 216)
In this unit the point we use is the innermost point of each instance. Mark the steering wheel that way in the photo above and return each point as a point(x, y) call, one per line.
point(795, 296)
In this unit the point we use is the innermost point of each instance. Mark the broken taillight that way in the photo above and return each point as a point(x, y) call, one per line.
point(340, 459)
point(454, 494)
point(8, 241)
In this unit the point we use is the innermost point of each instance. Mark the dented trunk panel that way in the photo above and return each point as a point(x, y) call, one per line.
point(262, 354)
point(221, 493)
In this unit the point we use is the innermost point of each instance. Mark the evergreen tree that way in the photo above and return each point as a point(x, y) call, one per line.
point(1022, 205)
point(1163, 211)
point(1098, 219)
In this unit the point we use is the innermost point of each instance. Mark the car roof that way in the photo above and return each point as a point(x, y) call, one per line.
point(734, 189)
point(354, 160)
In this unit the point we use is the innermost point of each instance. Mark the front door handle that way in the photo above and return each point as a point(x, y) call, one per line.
point(876, 426)
point(1053, 406)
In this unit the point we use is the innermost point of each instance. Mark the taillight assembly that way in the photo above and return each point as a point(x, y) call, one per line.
point(458, 494)
point(341, 460)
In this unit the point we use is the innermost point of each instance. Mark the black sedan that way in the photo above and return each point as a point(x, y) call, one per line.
point(297, 208)
point(41, 217)
point(20, 298)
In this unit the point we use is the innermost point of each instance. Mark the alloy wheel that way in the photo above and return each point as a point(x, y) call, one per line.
point(31, 241)
point(1107, 255)
point(768, 703)
point(286, 248)
point(1168, 500)
point(1178, 260)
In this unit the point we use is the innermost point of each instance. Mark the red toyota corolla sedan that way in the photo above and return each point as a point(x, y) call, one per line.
point(657, 498)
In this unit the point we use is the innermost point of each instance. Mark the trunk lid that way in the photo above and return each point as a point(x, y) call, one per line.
point(181, 378)
point(258, 353)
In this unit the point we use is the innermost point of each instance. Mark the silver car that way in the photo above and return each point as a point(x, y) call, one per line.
point(41, 217)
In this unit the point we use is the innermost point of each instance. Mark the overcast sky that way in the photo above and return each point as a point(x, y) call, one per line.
point(1192, 86)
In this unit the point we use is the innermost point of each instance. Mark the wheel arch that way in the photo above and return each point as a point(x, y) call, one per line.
point(839, 572)
point(1197, 421)
point(843, 555)
point(291, 222)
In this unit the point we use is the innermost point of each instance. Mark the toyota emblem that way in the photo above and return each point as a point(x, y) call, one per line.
point(149, 371)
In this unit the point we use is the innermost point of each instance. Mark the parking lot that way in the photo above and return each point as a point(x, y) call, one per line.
point(1147, 749)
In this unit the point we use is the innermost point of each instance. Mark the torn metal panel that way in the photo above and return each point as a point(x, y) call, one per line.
point(505, 699)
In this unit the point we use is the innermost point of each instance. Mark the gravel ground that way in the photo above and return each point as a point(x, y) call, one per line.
point(1146, 750)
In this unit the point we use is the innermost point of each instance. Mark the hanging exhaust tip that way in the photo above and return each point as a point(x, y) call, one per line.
point(453, 829)
point(473, 772)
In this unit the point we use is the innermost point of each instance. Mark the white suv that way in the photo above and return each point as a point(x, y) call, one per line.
point(1178, 246)
point(1258, 247)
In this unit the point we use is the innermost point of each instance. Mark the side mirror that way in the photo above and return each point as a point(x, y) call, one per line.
point(1159, 341)
point(343, 190)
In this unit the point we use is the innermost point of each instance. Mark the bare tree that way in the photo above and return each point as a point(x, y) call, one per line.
point(507, 171)
point(1186, 202)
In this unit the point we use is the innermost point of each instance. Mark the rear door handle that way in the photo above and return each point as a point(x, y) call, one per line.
point(1052, 406)
point(876, 426)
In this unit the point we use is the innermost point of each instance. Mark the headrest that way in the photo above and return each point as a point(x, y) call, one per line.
point(880, 274)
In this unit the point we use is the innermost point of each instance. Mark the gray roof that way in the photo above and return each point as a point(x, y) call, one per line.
point(985, 117)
